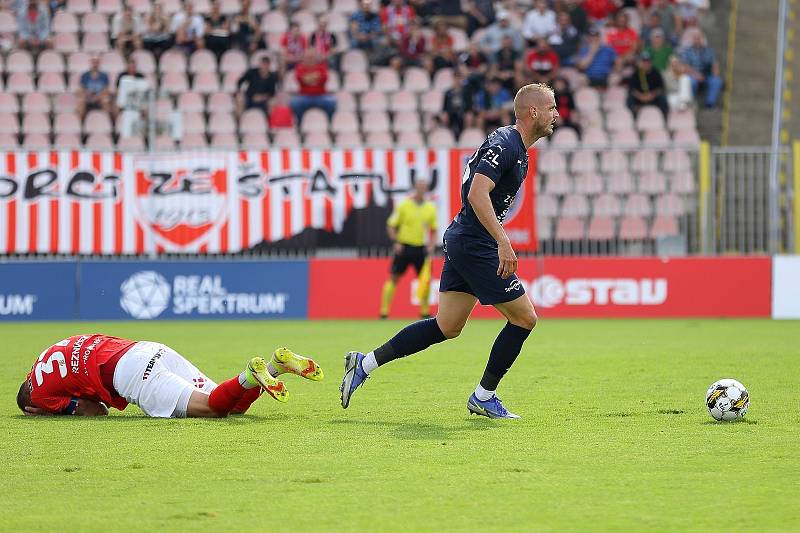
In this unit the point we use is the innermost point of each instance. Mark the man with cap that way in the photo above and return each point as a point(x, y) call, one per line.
point(646, 86)
point(596, 59)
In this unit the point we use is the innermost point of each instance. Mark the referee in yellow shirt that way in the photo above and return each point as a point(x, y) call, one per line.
point(410, 221)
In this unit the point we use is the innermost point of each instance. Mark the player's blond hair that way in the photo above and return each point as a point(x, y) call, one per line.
point(530, 95)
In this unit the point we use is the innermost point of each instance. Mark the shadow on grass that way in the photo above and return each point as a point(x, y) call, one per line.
point(729, 422)
point(420, 430)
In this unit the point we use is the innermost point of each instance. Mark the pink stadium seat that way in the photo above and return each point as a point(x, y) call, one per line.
point(386, 80)
point(78, 62)
point(130, 144)
point(8, 24)
point(587, 98)
point(140, 7)
point(439, 138)
point(544, 228)
point(601, 228)
point(619, 119)
point(202, 7)
point(51, 83)
point(165, 143)
point(569, 229)
point(443, 79)
point(9, 141)
point(229, 82)
point(108, 7)
point(67, 123)
point(401, 101)
point(375, 121)
point(79, 7)
point(94, 22)
point(112, 63)
point(174, 82)
point(67, 141)
point(349, 140)
point(546, 205)
point(19, 61)
point(221, 101)
point(620, 183)
point(171, 6)
point(346, 102)
point(95, 42)
point(650, 118)
point(36, 141)
point(191, 102)
point(669, 204)
point(460, 39)
point(50, 61)
point(645, 161)
point(552, 162)
point(409, 121)
point(595, 137)
point(233, 61)
point(306, 19)
point(471, 137)
point(64, 22)
point(681, 120)
point(564, 138)
point(145, 61)
point(258, 7)
point(373, 101)
point(432, 102)
point(274, 22)
point(677, 160)
point(254, 121)
point(285, 138)
point(626, 138)
point(583, 161)
point(614, 161)
point(558, 184)
point(255, 141)
point(19, 83)
point(357, 82)
point(632, 228)
point(206, 83)
point(592, 118)
point(202, 61)
point(652, 183)
point(224, 141)
point(416, 79)
point(164, 108)
point(344, 122)
point(575, 205)
point(589, 184)
point(97, 121)
point(172, 60)
point(575, 79)
point(230, 7)
point(656, 138)
point(99, 141)
point(35, 123)
point(683, 183)
point(66, 42)
point(317, 140)
point(664, 226)
point(607, 205)
point(221, 122)
point(344, 6)
point(8, 103)
point(638, 205)
point(354, 60)
point(193, 122)
point(614, 98)
point(379, 139)
point(314, 120)
point(194, 141)
point(686, 137)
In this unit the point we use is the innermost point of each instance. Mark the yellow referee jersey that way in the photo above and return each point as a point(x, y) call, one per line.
point(411, 219)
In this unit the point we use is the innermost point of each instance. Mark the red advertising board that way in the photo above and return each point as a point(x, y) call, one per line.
point(568, 287)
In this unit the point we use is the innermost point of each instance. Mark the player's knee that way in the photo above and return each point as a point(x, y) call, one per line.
point(525, 320)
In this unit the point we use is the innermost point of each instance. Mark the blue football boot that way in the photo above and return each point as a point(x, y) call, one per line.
point(492, 408)
point(354, 376)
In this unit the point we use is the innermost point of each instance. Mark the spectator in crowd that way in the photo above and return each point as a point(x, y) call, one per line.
point(565, 40)
point(257, 86)
point(457, 110)
point(365, 28)
point(188, 28)
point(126, 31)
point(599, 10)
point(413, 48)
point(217, 35)
point(577, 15)
point(479, 13)
point(703, 69)
point(678, 85)
point(623, 39)
point(565, 104)
point(130, 104)
point(540, 64)
point(646, 86)
point(396, 19)
point(33, 26)
point(506, 64)
point(447, 11)
point(492, 38)
point(668, 18)
point(494, 104)
point(475, 62)
point(659, 49)
point(322, 40)
point(539, 23)
point(652, 22)
point(596, 60)
point(93, 92)
point(156, 36)
point(442, 52)
point(293, 46)
point(245, 30)
point(689, 10)
point(130, 72)
point(312, 75)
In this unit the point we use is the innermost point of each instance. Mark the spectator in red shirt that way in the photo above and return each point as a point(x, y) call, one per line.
point(312, 74)
point(540, 65)
point(412, 48)
point(293, 45)
point(599, 10)
point(396, 19)
point(442, 47)
point(323, 41)
point(623, 39)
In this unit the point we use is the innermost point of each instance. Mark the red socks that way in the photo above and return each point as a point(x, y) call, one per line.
point(247, 400)
point(227, 395)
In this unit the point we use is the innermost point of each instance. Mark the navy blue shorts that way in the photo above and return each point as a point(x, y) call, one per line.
point(470, 265)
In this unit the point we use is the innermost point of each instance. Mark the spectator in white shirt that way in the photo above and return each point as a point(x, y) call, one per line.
point(188, 28)
point(539, 23)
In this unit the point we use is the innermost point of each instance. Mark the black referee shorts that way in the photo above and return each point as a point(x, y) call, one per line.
point(411, 255)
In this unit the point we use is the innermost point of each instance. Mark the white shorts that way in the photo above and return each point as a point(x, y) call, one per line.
point(157, 378)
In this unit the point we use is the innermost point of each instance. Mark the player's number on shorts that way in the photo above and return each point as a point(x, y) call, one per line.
point(46, 367)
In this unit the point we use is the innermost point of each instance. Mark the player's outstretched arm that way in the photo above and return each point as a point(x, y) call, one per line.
point(82, 408)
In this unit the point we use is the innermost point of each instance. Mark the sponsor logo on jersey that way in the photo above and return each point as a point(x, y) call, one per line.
point(17, 304)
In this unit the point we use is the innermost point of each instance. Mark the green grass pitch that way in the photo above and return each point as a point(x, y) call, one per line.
point(615, 435)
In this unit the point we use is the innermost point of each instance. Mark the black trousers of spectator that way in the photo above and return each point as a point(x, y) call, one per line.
point(660, 102)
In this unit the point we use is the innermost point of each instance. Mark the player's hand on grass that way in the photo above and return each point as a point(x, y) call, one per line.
point(35, 411)
point(508, 260)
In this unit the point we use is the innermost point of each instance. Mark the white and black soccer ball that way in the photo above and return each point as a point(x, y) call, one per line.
point(727, 399)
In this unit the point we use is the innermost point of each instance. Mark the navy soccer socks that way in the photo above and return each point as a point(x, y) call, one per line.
point(504, 352)
point(409, 340)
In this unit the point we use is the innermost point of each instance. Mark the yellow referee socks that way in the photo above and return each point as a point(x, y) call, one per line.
point(386, 297)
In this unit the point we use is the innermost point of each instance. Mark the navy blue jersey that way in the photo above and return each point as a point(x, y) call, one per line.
point(502, 158)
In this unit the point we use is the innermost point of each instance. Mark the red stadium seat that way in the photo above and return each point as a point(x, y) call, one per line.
point(656, 138)
point(416, 79)
point(683, 183)
point(357, 82)
point(439, 138)
point(346, 101)
point(19, 61)
point(681, 120)
point(9, 141)
point(664, 226)
point(432, 102)
point(344, 6)
point(8, 24)
point(614, 161)
point(544, 228)
point(112, 63)
point(619, 119)
point(172, 60)
point(650, 118)
point(51, 83)
point(80, 7)
point(306, 19)
point(145, 61)
point(564, 138)
point(677, 160)
point(443, 79)
point(595, 137)
point(587, 98)
point(632, 228)
point(669, 204)
point(78, 62)
point(401, 101)
point(233, 61)
point(174, 83)
point(645, 161)
point(601, 228)
point(354, 60)
point(470, 137)
point(108, 7)
point(552, 162)
point(409, 121)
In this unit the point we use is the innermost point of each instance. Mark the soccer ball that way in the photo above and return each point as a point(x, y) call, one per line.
point(727, 399)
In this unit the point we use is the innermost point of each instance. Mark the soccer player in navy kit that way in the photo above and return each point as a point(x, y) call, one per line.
point(479, 260)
